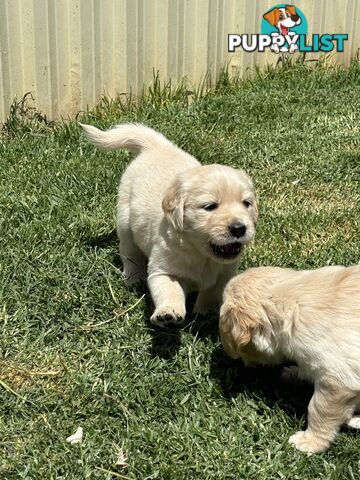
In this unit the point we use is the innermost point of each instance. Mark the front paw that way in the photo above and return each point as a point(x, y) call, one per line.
point(290, 374)
point(133, 277)
point(275, 48)
point(205, 305)
point(308, 442)
point(354, 422)
point(166, 315)
point(201, 308)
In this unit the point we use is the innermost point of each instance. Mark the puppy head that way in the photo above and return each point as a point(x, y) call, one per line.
point(215, 208)
point(245, 329)
point(283, 18)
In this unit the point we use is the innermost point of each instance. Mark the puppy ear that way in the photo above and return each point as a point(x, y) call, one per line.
point(173, 205)
point(271, 16)
point(291, 9)
point(235, 329)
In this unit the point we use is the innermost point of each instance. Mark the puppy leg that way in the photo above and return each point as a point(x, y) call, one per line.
point(134, 261)
point(354, 422)
point(290, 374)
point(207, 300)
point(210, 298)
point(169, 299)
point(328, 409)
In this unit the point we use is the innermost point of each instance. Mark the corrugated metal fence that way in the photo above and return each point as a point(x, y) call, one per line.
point(69, 52)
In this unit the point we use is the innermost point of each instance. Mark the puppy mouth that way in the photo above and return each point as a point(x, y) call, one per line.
point(226, 251)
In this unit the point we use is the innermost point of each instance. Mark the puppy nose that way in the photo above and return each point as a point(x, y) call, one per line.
point(295, 18)
point(237, 229)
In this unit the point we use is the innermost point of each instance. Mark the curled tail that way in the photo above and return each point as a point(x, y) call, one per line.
point(131, 136)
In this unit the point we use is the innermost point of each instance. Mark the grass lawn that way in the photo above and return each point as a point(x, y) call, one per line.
point(77, 347)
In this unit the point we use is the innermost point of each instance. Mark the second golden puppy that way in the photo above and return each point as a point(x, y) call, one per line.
point(180, 224)
point(312, 318)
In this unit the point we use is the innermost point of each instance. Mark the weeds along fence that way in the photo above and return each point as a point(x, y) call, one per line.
point(68, 53)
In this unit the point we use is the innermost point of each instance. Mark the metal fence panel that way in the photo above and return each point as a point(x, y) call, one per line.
point(69, 52)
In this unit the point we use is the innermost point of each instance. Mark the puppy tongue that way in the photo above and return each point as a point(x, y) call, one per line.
point(284, 30)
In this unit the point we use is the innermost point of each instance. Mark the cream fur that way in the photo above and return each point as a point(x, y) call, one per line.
point(312, 318)
point(165, 232)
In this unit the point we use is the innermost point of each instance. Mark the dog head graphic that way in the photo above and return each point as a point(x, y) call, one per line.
point(283, 18)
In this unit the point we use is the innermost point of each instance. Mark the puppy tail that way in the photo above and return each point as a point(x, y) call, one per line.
point(131, 136)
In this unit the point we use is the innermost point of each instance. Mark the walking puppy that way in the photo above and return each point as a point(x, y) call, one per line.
point(180, 224)
point(312, 318)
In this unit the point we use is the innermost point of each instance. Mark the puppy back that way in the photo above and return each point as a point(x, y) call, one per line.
point(131, 136)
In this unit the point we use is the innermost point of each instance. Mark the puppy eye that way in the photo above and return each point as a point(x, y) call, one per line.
point(246, 203)
point(210, 206)
point(281, 17)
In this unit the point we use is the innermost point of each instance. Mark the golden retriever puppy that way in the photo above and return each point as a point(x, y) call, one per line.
point(312, 318)
point(180, 224)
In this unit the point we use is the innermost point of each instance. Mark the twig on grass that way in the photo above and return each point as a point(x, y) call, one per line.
point(112, 292)
point(9, 389)
point(130, 308)
point(90, 325)
point(111, 473)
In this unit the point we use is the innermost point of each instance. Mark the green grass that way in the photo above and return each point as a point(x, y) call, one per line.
point(76, 344)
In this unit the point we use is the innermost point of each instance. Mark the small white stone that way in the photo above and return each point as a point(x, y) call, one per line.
point(76, 437)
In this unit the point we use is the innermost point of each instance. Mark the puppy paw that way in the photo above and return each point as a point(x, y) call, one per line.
point(133, 278)
point(354, 422)
point(308, 442)
point(204, 305)
point(203, 308)
point(275, 48)
point(293, 48)
point(289, 374)
point(165, 315)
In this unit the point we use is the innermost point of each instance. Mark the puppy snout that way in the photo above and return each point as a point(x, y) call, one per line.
point(295, 18)
point(237, 229)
